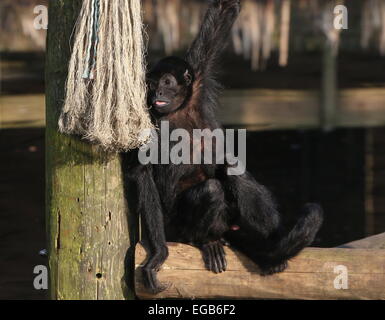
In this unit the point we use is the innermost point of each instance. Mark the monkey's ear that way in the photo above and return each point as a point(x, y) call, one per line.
point(187, 77)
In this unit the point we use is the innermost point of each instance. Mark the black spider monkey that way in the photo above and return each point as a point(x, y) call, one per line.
point(201, 204)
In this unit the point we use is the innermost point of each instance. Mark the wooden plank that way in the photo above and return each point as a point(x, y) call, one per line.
point(374, 242)
point(254, 109)
point(361, 107)
point(22, 111)
point(311, 275)
point(260, 109)
point(269, 109)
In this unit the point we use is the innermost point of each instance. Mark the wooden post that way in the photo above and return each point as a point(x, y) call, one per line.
point(329, 99)
point(284, 33)
point(315, 274)
point(88, 227)
point(329, 88)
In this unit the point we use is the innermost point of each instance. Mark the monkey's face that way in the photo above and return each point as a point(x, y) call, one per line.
point(169, 85)
point(165, 93)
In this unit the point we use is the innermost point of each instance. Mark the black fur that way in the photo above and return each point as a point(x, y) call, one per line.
point(201, 204)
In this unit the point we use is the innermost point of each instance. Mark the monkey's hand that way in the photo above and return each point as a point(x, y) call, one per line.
point(225, 5)
point(214, 256)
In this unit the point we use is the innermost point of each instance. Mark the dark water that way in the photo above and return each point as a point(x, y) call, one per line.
point(297, 166)
point(312, 166)
point(22, 227)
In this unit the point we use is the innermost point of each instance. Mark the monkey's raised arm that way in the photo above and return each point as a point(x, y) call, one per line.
point(150, 209)
point(212, 37)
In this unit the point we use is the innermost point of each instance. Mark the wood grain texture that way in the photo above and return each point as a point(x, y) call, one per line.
point(262, 109)
point(87, 216)
point(22, 111)
point(309, 276)
point(374, 242)
point(254, 109)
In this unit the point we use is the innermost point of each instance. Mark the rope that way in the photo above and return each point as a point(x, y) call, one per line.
point(111, 109)
point(93, 40)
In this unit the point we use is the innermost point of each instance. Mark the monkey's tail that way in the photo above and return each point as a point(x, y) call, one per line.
point(272, 254)
point(302, 234)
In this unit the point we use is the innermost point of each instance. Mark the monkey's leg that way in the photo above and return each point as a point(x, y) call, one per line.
point(259, 233)
point(256, 227)
point(202, 216)
point(150, 209)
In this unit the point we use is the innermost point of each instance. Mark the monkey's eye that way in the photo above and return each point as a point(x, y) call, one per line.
point(167, 82)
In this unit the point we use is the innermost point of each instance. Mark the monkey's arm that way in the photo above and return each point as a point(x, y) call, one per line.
point(212, 37)
point(150, 209)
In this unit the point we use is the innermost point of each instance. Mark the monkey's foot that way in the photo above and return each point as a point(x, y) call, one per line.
point(214, 256)
point(271, 269)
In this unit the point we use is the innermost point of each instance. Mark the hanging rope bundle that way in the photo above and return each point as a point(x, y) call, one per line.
point(105, 93)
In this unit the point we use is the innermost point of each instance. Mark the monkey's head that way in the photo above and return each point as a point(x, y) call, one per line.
point(169, 84)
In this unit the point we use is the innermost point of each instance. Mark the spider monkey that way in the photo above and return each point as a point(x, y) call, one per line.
point(201, 204)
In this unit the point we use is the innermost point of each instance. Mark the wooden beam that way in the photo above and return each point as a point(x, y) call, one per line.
point(311, 275)
point(263, 109)
point(254, 109)
point(259, 109)
point(22, 111)
point(374, 242)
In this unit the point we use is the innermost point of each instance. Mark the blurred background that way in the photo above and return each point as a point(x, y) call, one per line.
point(312, 98)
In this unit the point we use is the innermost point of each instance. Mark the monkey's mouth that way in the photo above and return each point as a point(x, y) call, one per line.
point(160, 103)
